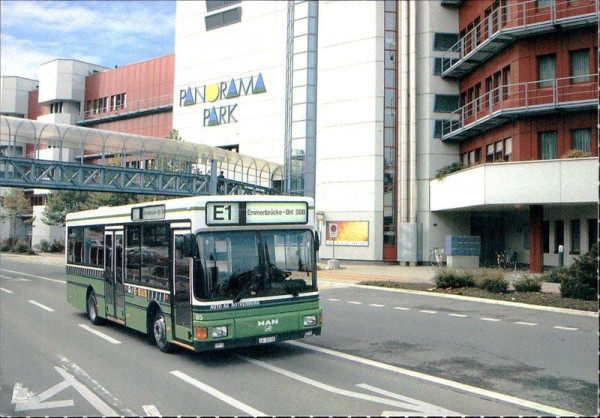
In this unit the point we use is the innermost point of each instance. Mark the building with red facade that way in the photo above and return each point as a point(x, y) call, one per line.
point(528, 82)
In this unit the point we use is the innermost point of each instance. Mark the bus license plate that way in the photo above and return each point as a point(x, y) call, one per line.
point(266, 340)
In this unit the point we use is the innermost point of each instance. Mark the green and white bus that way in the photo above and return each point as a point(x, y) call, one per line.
point(204, 273)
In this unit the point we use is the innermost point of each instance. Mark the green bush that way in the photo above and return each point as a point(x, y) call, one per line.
point(44, 246)
point(21, 247)
point(57, 247)
point(556, 274)
point(5, 247)
point(446, 279)
point(579, 281)
point(449, 169)
point(528, 284)
point(494, 283)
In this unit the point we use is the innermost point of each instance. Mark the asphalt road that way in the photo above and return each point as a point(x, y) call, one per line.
point(381, 353)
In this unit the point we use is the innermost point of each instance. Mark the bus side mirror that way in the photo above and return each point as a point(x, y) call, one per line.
point(190, 246)
point(317, 241)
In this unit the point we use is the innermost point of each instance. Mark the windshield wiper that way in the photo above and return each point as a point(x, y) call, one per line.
point(248, 277)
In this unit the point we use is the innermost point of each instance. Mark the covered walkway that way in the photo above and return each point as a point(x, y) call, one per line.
point(35, 154)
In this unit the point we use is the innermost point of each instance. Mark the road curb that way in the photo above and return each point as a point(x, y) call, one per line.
point(481, 300)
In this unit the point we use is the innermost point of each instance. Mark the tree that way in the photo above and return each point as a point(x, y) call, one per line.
point(61, 202)
point(16, 205)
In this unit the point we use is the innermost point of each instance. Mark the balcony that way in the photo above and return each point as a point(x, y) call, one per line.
point(506, 24)
point(505, 185)
point(513, 101)
point(126, 110)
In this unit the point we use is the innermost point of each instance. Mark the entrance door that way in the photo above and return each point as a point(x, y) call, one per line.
point(182, 299)
point(113, 275)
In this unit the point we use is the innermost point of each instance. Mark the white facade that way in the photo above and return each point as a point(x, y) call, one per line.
point(14, 95)
point(62, 87)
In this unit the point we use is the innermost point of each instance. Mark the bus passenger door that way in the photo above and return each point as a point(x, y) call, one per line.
point(113, 275)
point(182, 300)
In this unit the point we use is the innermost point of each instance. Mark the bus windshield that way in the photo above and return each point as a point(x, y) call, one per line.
point(238, 265)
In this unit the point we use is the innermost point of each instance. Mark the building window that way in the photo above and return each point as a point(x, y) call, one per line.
point(575, 236)
point(472, 157)
point(444, 41)
point(546, 66)
point(508, 149)
point(506, 82)
point(544, 3)
point(548, 145)
point(446, 103)
point(56, 107)
point(219, 4)
point(225, 18)
point(118, 101)
point(489, 153)
point(581, 139)
point(579, 62)
point(498, 151)
point(559, 235)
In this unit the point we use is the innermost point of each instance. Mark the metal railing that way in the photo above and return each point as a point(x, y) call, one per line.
point(128, 107)
point(513, 18)
point(530, 97)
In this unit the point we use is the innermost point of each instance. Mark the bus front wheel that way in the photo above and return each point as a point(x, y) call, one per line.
point(159, 327)
point(92, 308)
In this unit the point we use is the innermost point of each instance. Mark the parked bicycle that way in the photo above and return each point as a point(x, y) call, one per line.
point(436, 257)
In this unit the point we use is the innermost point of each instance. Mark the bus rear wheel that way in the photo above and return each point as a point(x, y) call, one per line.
point(159, 328)
point(92, 308)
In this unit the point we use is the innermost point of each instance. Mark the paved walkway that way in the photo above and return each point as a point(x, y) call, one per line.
point(350, 271)
point(355, 272)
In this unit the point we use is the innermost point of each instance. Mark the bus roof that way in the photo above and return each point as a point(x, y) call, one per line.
point(195, 203)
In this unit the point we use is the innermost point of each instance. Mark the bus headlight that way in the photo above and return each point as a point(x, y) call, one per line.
point(310, 321)
point(219, 332)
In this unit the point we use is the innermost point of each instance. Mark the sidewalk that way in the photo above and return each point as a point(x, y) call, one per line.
point(356, 272)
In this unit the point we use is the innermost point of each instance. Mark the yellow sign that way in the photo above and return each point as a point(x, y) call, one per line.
point(347, 233)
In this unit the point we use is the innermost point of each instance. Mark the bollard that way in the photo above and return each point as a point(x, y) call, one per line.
point(561, 255)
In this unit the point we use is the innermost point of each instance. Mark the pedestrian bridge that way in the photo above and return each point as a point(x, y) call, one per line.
point(43, 155)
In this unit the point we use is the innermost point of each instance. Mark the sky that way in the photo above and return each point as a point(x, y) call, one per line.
point(105, 33)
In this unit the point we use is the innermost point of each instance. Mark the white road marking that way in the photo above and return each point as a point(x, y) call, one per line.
point(529, 324)
point(24, 400)
point(565, 328)
point(218, 394)
point(33, 302)
point(37, 277)
point(490, 319)
point(376, 305)
point(338, 391)
point(440, 381)
point(457, 315)
point(107, 404)
point(353, 302)
point(423, 407)
point(428, 311)
point(151, 411)
point(90, 396)
point(5, 290)
point(400, 308)
point(100, 334)
point(333, 300)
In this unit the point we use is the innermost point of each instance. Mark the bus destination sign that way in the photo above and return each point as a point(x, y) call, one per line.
point(148, 213)
point(256, 213)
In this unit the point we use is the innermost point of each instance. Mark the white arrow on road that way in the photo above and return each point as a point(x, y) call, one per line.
point(27, 401)
point(24, 400)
